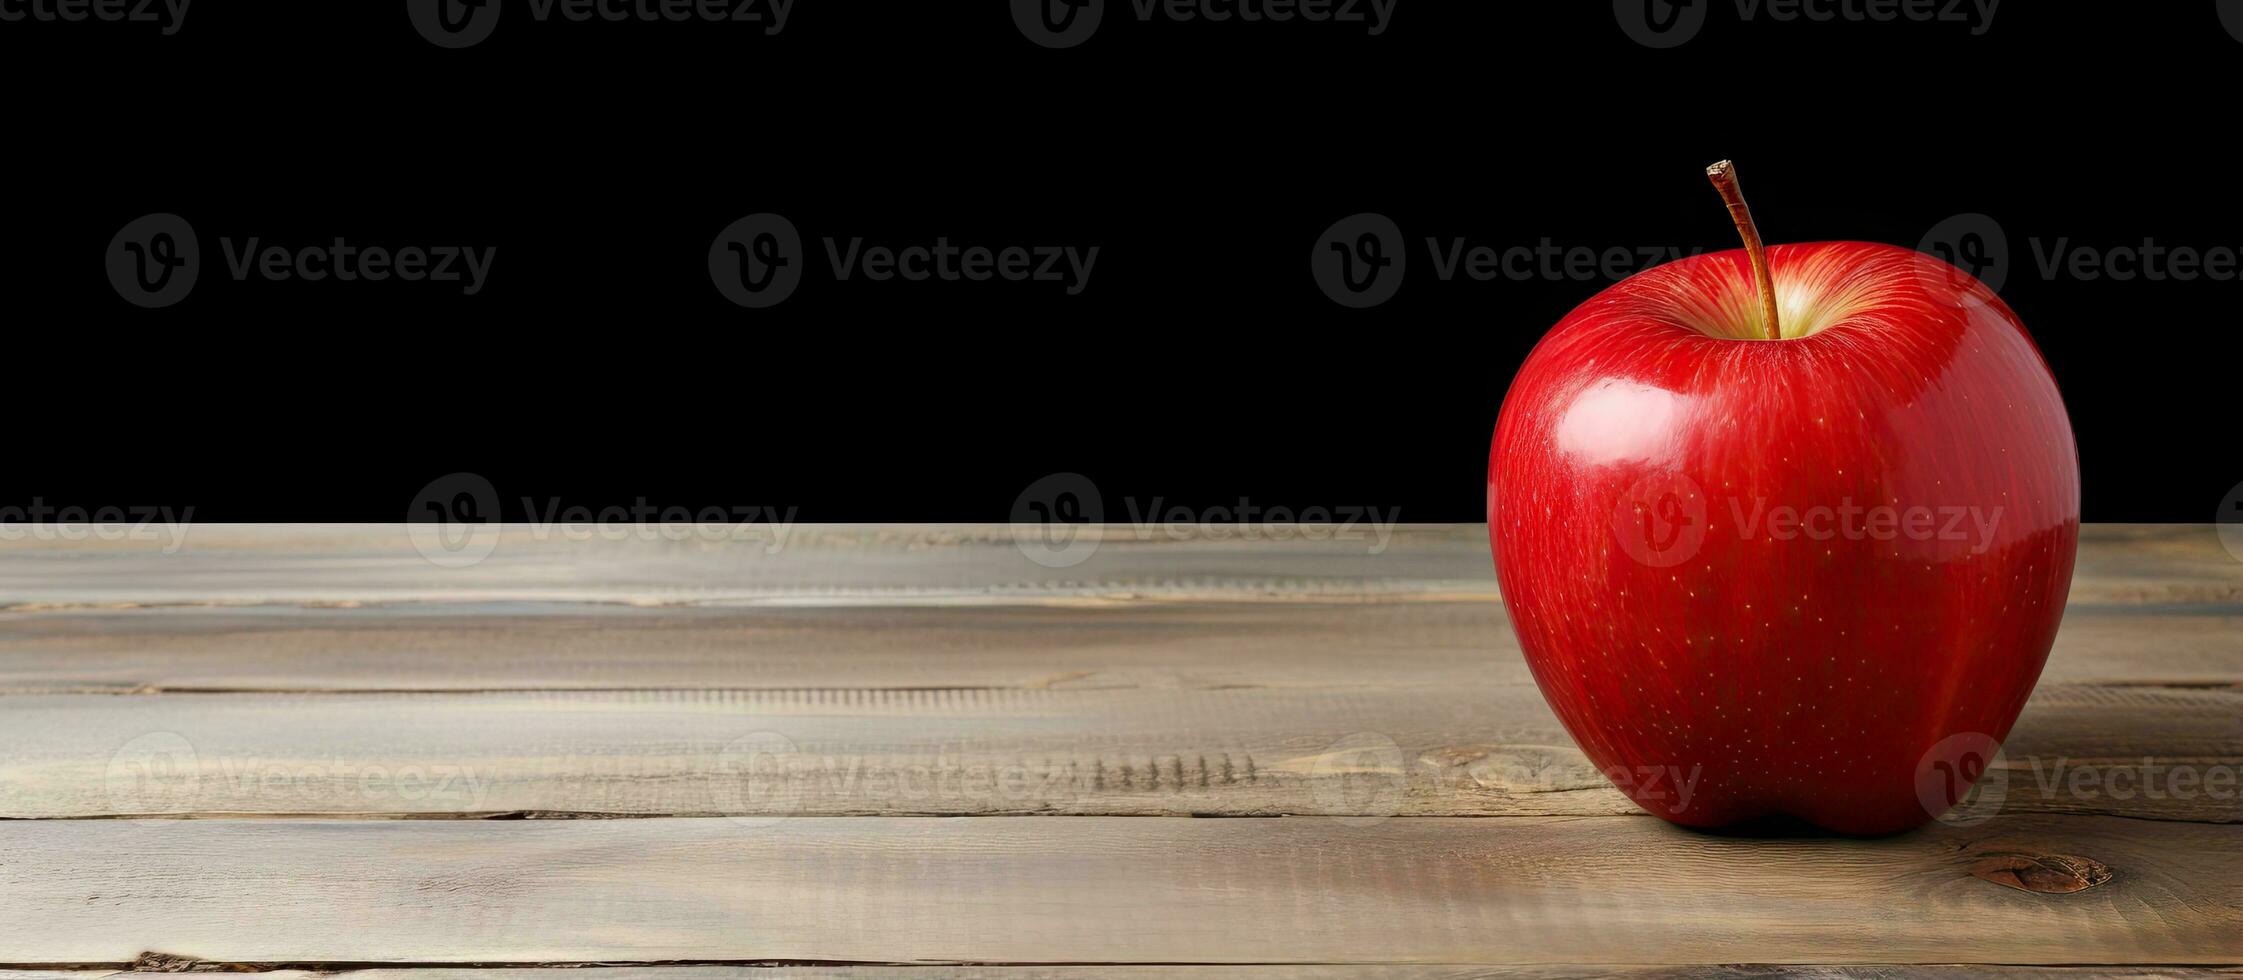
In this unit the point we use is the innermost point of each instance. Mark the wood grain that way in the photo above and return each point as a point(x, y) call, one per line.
point(804, 564)
point(1263, 971)
point(1480, 750)
point(218, 564)
point(1209, 645)
point(512, 646)
point(1101, 890)
point(811, 690)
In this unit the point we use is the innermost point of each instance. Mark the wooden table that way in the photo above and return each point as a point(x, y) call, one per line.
point(914, 752)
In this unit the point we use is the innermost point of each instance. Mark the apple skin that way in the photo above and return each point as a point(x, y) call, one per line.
point(1678, 626)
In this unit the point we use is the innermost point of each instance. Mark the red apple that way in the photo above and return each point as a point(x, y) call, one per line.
point(1812, 575)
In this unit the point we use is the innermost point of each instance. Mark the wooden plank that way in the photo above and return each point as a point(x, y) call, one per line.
point(804, 564)
point(1105, 890)
point(585, 646)
point(1262, 971)
point(1487, 749)
point(589, 646)
point(2156, 563)
point(2183, 646)
point(337, 564)
point(972, 751)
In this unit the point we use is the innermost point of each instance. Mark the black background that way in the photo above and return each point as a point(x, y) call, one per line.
point(1202, 365)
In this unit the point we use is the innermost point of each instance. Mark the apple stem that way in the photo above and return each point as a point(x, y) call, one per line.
point(1724, 177)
